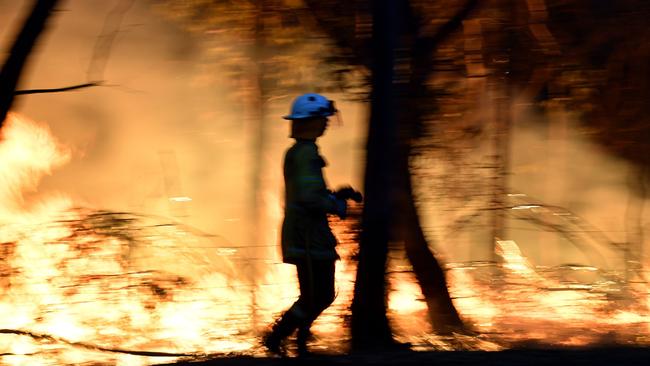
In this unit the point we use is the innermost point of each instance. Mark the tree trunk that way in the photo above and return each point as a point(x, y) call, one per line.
point(500, 43)
point(638, 183)
point(441, 311)
point(21, 49)
point(370, 328)
point(257, 201)
point(428, 272)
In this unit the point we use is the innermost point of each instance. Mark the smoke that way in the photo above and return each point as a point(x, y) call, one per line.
point(160, 138)
point(585, 204)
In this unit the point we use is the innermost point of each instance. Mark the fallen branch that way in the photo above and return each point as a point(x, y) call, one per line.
point(47, 337)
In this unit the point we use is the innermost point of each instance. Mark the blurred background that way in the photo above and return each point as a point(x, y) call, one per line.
point(527, 138)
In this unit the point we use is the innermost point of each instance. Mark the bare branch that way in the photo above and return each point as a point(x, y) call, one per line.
point(325, 17)
point(51, 338)
point(428, 44)
point(56, 90)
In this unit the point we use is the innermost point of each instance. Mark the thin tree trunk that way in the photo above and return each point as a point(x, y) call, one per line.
point(501, 55)
point(428, 272)
point(20, 51)
point(502, 125)
point(258, 204)
point(638, 183)
point(370, 328)
point(442, 313)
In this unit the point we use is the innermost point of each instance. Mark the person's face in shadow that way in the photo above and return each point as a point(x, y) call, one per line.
point(308, 128)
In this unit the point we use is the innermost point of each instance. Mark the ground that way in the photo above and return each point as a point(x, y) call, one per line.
point(574, 357)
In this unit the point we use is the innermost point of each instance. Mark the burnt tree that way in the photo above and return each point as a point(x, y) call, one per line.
point(370, 328)
point(415, 45)
point(22, 47)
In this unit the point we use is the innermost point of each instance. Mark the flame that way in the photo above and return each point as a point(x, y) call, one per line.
point(527, 305)
point(405, 297)
point(75, 276)
point(82, 285)
point(28, 153)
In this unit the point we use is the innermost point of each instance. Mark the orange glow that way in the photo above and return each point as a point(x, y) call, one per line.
point(95, 281)
point(527, 305)
point(405, 298)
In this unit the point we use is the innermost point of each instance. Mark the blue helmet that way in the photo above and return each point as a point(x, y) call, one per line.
point(311, 105)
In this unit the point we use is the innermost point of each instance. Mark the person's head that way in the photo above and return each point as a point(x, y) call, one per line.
point(309, 114)
point(308, 128)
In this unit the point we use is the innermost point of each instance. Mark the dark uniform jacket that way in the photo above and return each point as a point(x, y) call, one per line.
point(305, 231)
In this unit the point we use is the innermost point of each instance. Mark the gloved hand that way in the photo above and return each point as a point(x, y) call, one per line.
point(348, 193)
point(341, 206)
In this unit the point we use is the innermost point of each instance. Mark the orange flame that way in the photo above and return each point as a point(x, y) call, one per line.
point(83, 285)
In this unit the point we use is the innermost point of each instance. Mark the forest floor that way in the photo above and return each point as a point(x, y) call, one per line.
point(618, 355)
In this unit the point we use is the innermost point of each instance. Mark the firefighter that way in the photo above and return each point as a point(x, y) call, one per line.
point(307, 240)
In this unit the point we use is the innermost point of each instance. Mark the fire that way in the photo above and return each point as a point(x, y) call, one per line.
point(28, 154)
point(81, 281)
point(75, 280)
point(82, 285)
point(404, 298)
point(526, 305)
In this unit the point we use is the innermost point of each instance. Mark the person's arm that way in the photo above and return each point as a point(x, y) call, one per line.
point(312, 191)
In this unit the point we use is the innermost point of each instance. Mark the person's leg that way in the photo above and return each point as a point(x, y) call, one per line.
point(317, 280)
point(326, 291)
point(282, 328)
point(290, 319)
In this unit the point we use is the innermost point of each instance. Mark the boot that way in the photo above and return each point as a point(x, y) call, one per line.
point(304, 335)
point(280, 330)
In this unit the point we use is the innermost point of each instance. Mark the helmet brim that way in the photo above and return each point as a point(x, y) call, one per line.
point(292, 117)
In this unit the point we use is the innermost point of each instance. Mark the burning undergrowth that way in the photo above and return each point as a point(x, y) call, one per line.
point(93, 280)
point(74, 280)
point(80, 285)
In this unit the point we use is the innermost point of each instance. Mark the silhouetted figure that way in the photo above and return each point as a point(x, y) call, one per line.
point(307, 240)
